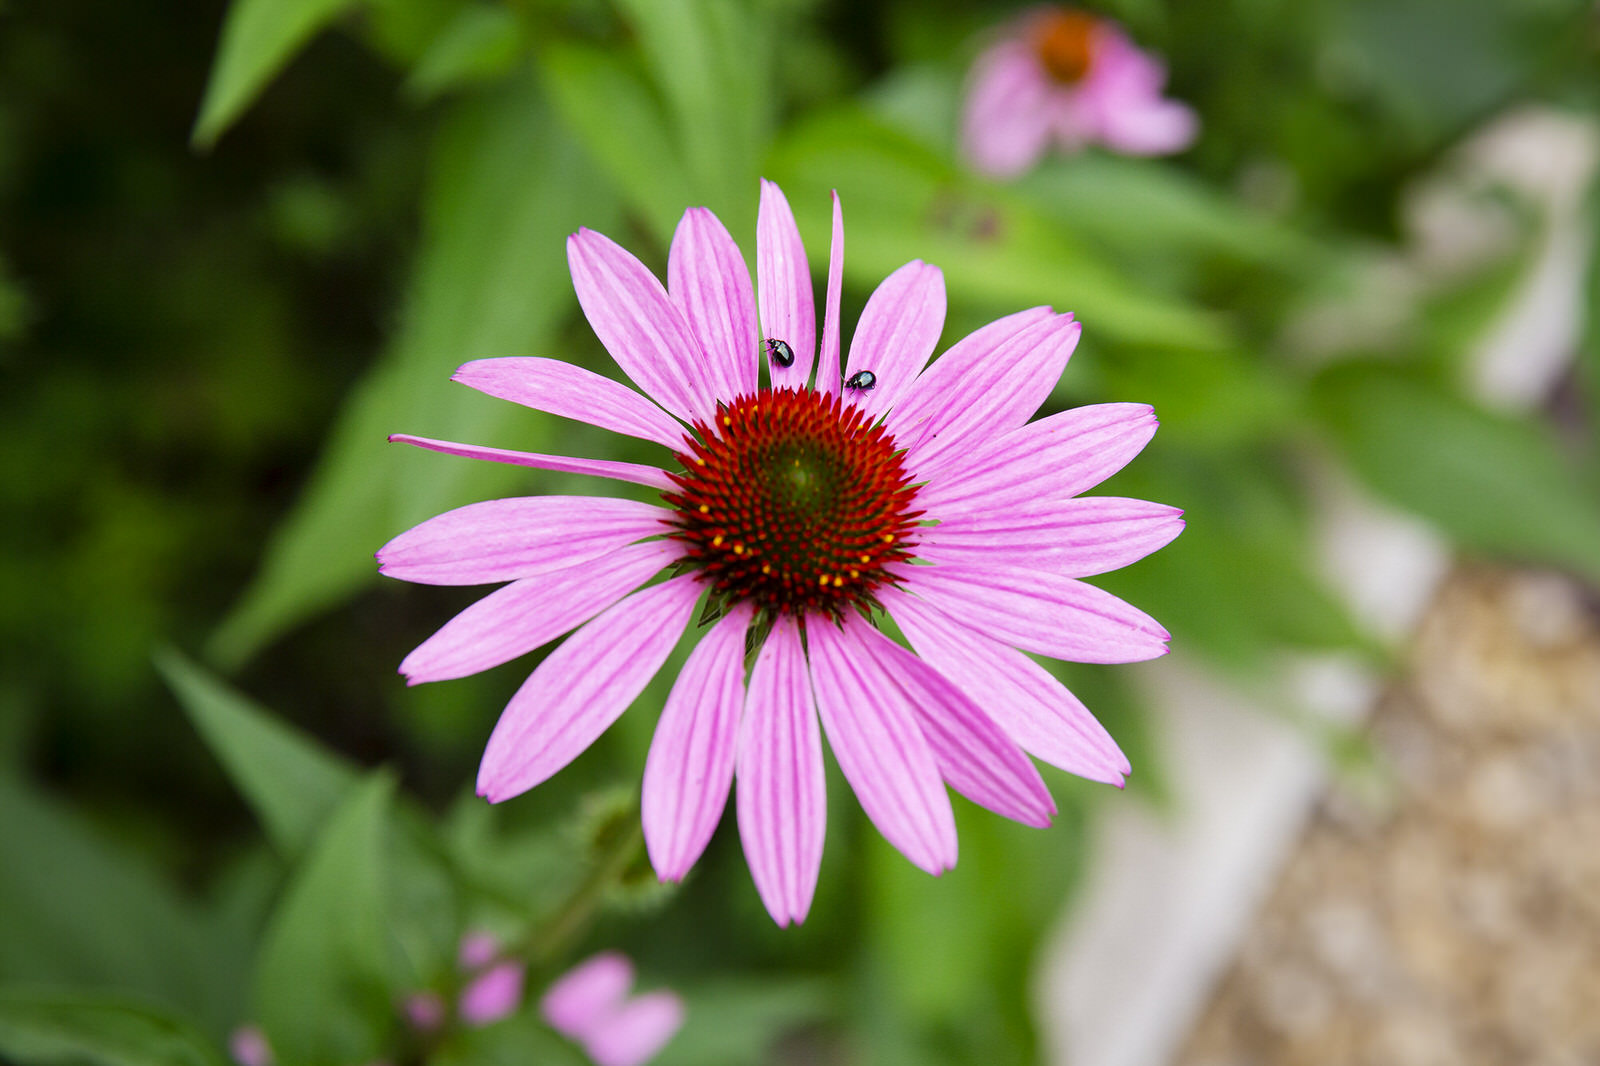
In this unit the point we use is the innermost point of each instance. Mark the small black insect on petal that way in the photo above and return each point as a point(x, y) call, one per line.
point(780, 352)
point(862, 379)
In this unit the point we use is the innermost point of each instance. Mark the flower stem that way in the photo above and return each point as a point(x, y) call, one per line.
point(551, 939)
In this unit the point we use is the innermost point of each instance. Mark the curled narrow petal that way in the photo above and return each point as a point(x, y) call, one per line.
point(560, 388)
point(1006, 126)
point(986, 385)
point(1039, 612)
point(635, 319)
point(1054, 458)
point(583, 686)
point(898, 331)
point(638, 1030)
point(1020, 695)
point(502, 540)
point(494, 994)
point(783, 289)
point(828, 372)
point(525, 614)
point(781, 801)
point(874, 733)
point(690, 766)
point(1078, 537)
point(638, 474)
point(976, 756)
point(586, 995)
point(709, 282)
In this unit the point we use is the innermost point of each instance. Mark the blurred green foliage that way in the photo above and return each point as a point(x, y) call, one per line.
point(241, 244)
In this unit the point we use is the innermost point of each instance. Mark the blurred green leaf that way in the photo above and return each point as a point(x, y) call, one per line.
point(520, 1040)
point(259, 37)
point(323, 993)
point(491, 280)
point(76, 909)
point(290, 781)
point(1492, 482)
point(1216, 398)
point(735, 1021)
point(38, 1027)
point(481, 42)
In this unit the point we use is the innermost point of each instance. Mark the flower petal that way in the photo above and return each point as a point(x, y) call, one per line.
point(709, 281)
point(978, 758)
point(1039, 612)
point(639, 325)
point(1054, 458)
point(585, 996)
point(525, 614)
point(650, 476)
point(873, 731)
point(828, 373)
point(987, 384)
point(690, 766)
point(1006, 125)
point(492, 995)
point(781, 800)
point(570, 391)
point(502, 540)
point(637, 1031)
point(783, 287)
point(1077, 537)
point(583, 686)
point(897, 333)
point(1020, 695)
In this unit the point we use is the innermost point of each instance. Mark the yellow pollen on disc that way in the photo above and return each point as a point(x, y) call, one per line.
point(738, 549)
point(766, 568)
point(866, 559)
point(706, 509)
point(716, 542)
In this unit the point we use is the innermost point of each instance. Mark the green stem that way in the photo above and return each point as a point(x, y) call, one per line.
point(549, 941)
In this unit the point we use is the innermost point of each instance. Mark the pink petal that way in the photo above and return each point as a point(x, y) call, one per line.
point(570, 391)
point(781, 799)
point(1054, 458)
point(1020, 695)
point(248, 1046)
point(898, 331)
point(989, 383)
point(583, 686)
point(525, 614)
point(1073, 538)
point(477, 950)
point(978, 758)
point(637, 1031)
point(650, 476)
point(828, 373)
point(690, 767)
point(1006, 125)
point(424, 1011)
point(585, 996)
point(873, 731)
point(636, 321)
point(1158, 127)
point(709, 281)
point(1039, 612)
point(493, 995)
point(784, 287)
point(502, 540)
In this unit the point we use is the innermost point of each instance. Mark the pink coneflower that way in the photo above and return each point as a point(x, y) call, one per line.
point(800, 514)
point(591, 1005)
point(1067, 77)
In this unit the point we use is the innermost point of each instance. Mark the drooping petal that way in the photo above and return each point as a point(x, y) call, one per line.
point(828, 371)
point(1006, 125)
point(975, 755)
point(586, 995)
point(583, 686)
point(873, 731)
point(570, 391)
point(650, 476)
point(1039, 712)
point(525, 614)
point(1155, 127)
point(1039, 612)
point(690, 767)
point(982, 388)
point(639, 325)
point(502, 540)
point(709, 281)
point(637, 1031)
point(494, 994)
point(1054, 458)
point(781, 801)
point(898, 330)
point(1077, 537)
point(783, 289)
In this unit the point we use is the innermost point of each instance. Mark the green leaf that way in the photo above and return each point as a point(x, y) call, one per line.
point(1493, 483)
point(259, 37)
point(736, 1021)
point(290, 781)
point(491, 280)
point(481, 42)
point(323, 988)
point(50, 1027)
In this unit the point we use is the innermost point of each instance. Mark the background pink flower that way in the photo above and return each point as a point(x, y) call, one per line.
point(590, 1006)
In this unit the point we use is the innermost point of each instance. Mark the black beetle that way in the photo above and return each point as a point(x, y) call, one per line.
point(780, 352)
point(862, 379)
